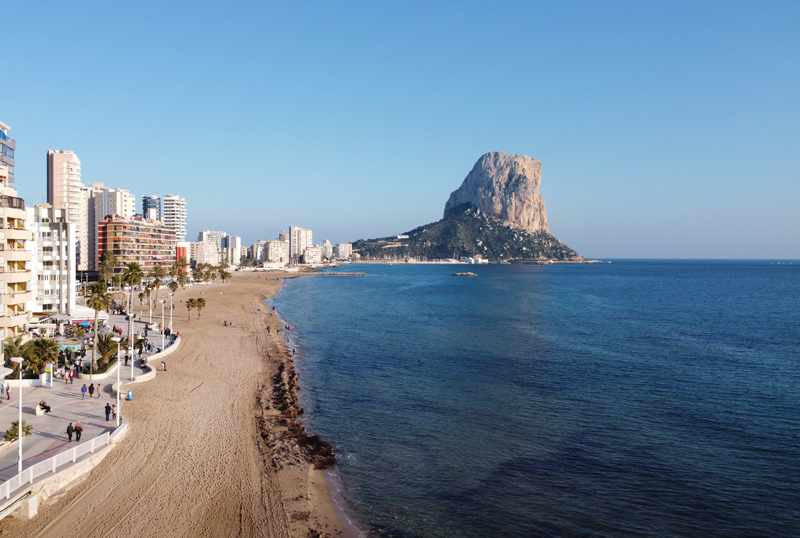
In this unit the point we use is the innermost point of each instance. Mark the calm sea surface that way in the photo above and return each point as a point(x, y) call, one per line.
point(637, 398)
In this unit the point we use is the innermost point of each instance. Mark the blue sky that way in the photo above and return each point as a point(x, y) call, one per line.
point(665, 129)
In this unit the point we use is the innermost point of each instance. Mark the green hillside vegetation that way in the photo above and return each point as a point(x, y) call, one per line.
point(467, 233)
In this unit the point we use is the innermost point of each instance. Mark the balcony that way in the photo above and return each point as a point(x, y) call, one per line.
point(15, 276)
point(17, 233)
point(16, 320)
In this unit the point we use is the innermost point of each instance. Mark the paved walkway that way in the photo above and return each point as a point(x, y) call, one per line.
point(49, 435)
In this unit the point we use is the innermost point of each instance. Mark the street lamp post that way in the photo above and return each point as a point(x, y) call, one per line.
point(170, 313)
point(118, 340)
point(162, 324)
point(19, 360)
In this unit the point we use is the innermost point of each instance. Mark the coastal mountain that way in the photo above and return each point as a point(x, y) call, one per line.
point(504, 187)
point(497, 213)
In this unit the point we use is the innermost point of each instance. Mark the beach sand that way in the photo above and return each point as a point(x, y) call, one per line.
point(214, 448)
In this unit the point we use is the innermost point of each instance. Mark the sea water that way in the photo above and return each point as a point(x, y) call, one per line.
point(635, 398)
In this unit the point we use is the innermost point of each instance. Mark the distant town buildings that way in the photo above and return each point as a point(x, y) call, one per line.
point(174, 215)
point(299, 240)
point(343, 251)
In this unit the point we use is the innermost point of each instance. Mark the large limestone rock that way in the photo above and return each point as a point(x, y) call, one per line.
point(505, 187)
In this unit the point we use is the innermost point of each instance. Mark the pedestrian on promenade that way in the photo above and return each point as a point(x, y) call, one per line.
point(114, 411)
point(70, 429)
point(8, 391)
point(72, 376)
point(78, 431)
point(108, 411)
point(2, 390)
point(83, 391)
point(99, 391)
point(164, 366)
point(91, 391)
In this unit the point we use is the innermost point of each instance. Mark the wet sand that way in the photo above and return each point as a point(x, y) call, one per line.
point(214, 447)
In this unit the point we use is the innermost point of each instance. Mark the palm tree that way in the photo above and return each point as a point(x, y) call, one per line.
point(141, 301)
point(173, 286)
point(224, 274)
point(12, 347)
point(200, 304)
point(106, 348)
point(191, 304)
point(182, 278)
point(198, 272)
point(158, 274)
point(12, 434)
point(39, 352)
point(108, 261)
point(148, 290)
point(133, 274)
point(98, 299)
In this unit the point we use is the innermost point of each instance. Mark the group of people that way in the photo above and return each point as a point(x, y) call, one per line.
point(91, 390)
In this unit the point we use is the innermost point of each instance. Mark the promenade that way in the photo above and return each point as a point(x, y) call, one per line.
point(67, 404)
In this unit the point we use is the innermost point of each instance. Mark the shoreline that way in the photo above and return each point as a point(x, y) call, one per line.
point(196, 461)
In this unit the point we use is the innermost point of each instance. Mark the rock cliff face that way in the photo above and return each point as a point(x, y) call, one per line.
point(505, 187)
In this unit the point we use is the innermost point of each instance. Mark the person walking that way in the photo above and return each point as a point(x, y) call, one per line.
point(91, 391)
point(70, 429)
point(83, 391)
point(8, 391)
point(108, 411)
point(78, 431)
point(114, 411)
point(71, 376)
point(2, 390)
point(99, 391)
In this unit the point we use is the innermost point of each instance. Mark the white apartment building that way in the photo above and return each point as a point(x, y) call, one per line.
point(174, 215)
point(208, 236)
point(232, 250)
point(65, 191)
point(343, 251)
point(52, 261)
point(312, 255)
point(299, 240)
point(204, 252)
point(327, 249)
point(277, 251)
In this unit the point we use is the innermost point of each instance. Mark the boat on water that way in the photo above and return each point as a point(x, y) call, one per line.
point(464, 274)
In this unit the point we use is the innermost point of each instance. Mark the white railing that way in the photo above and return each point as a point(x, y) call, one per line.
point(51, 464)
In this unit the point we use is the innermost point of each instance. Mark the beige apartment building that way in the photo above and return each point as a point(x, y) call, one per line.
point(65, 191)
point(15, 275)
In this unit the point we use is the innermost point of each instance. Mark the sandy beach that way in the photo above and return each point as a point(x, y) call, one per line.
point(214, 447)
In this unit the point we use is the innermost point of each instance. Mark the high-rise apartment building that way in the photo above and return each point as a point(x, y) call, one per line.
point(299, 241)
point(15, 276)
point(52, 261)
point(277, 251)
point(343, 251)
point(208, 236)
point(174, 215)
point(102, 202)
point(65, 191)
point(151, 207)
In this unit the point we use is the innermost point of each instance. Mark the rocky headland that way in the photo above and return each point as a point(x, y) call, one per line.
point(497, 213)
